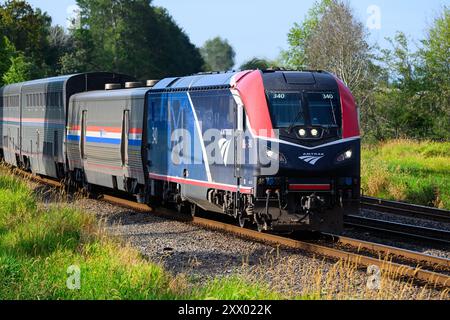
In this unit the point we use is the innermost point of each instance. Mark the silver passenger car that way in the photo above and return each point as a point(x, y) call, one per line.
point(33, 119)
point(105, 139)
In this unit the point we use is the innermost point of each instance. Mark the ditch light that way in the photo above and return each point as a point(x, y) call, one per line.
point(345, 156)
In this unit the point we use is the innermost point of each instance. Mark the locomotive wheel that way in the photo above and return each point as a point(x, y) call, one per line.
point(182, 208)
point(242, 220)
point(194, 210)
point(261, 224)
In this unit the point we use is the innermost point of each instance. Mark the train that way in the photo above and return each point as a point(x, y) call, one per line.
point(275, 149)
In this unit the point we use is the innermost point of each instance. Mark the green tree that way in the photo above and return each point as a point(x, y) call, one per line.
point(7, 50)
point(19, 71)
point(412, 98)
point(28, 29)
point(60, 43)
point(331, 38)
point(435, 73)
point(257, 63)
point(131, 37)
point(403, 100)
point(177, 55)
point(401, 93)
point(14, 66)
point(80, 56)
point(218, 55)
point(296, 56)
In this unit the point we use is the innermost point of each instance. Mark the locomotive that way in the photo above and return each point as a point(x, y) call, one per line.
point(278, 149)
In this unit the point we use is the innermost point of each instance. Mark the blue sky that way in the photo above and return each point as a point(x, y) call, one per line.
point(259, 27)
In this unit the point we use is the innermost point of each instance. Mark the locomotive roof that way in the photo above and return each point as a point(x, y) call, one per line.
point(271, 78)
point(196, 81)
point(291, 80)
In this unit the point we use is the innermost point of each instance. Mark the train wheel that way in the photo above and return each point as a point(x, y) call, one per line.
point(182, 208)
point(87, 189)
point(242, 220)
point(194, 210)
point(261, 224)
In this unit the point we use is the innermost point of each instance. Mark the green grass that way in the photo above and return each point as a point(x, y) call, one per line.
point(37, 246)
point(234, 288)
point(410, 171)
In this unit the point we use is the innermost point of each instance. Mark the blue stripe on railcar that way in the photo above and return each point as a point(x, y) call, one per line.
point(74, 138)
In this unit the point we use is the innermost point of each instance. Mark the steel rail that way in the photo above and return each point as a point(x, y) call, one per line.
point(404, 230)
point(388, 251)
point(406, 209)
point(28, 175)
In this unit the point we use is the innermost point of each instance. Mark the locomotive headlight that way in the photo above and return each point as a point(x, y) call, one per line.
point(302, 132)
point(315, 132)
point(345, 156)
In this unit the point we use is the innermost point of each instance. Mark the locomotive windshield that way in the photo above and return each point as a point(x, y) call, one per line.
point(322, 109)
point(284, 107)
point(291, 109)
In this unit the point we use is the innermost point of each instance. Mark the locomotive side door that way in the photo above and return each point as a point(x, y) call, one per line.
point(239, 155)
point(238, 140)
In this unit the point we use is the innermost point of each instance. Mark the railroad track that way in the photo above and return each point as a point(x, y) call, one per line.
point(418, 272)
point(393, 253)
point(384, 262)
point(399, 229)
point(406, 209)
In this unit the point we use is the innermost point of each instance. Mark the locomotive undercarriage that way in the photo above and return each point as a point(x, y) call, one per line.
point(276, 211)
point(289, 211)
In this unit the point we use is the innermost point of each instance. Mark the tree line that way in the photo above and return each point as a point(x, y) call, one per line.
point(129, 36)
point(401, 92)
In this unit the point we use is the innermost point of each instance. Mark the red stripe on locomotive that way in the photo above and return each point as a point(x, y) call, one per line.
point(350, 122)
point(251, 89)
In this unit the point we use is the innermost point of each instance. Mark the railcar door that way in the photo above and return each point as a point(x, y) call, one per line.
point(157, 139)
point(239, 156)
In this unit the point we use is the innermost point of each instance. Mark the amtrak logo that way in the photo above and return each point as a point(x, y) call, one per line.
point(224, 146)
point(312, 158)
